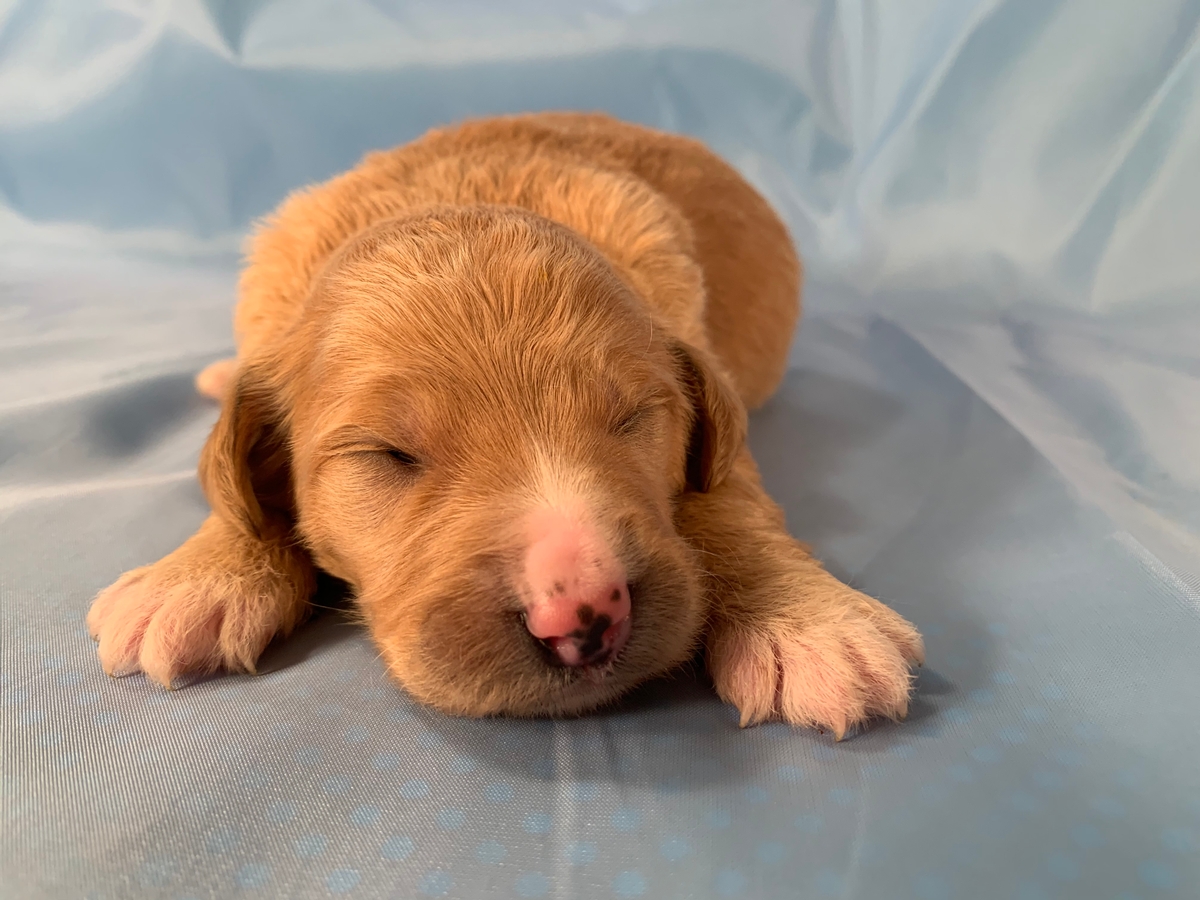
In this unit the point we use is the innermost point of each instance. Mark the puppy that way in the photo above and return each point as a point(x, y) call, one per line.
point(496, 380)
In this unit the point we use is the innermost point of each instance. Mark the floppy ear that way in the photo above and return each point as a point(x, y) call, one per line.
point(245, 467)
point(719, 426)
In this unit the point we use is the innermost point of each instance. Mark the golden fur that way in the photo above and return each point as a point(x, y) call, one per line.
point(544, 311)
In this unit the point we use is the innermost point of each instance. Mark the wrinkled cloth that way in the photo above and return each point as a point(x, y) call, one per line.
point(991, 421)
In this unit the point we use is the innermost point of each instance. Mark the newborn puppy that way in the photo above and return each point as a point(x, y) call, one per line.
point(496, 380)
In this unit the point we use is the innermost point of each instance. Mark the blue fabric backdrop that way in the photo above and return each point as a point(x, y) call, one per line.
point(992, 421)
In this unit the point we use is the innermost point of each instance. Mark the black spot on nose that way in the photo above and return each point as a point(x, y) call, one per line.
point(586, 614)
point(559, 588)
point(616, 596)
point(591, 640)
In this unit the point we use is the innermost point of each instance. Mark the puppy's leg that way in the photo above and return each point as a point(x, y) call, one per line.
point(213, 604)
point(786, 639)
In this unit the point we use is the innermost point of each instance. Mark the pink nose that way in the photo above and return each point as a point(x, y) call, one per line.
point(578, 600)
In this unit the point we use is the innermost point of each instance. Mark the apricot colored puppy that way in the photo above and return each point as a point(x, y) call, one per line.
point(497, 380)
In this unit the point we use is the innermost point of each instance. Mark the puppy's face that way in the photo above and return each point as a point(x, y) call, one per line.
point(486, 435)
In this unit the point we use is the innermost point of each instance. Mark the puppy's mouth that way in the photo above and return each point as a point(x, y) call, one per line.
point(592, 652)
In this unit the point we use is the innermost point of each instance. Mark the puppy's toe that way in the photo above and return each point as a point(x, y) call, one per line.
point(840, 674)
point(118, 620)
point(165, 624)
point(835, 673)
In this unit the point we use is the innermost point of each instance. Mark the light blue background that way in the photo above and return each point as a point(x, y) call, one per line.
point(992, 422)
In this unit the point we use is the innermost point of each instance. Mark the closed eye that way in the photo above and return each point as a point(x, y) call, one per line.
point(405, 459)
point(630, 422)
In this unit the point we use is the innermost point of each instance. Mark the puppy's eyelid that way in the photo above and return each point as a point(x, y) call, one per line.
point(632, 418)
point(629, 421)
point(403, 458)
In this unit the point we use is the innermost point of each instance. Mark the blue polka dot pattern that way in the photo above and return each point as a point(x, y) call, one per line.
point(436, 883)
point(283, 811)
point(842, 796)
point(532, 884)
point(414, 789)
point(629, 884)
point(254, 875)
point(756, 795)
point(829, 883)
point(674, 849)
point(385, 761)
point(342, 881)
point(397, 848)
point(729, 883)
point(626, 819)
point(580, 853)
point(986, 755)
point(356, 734)
point(365, 815)
point(956, 715)
point(222, 840)
point(1011, 735)
point(491, 853)
point(310, 846)
point(1157, 875)
point(808, 823)
point(719, 819)
point(770, 852)
point(322, 779)
point(1035, 714)
point(1180, 840)
point(499, 792)
point(336, 784)
point(156, 873)
point(584, 791)
point(1070, 758)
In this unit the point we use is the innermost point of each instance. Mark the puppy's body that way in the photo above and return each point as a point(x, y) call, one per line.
point(551, 325)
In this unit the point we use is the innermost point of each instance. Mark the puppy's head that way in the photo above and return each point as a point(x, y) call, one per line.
point(481, 428)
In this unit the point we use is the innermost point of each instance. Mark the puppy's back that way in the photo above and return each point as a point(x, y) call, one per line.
point(750, 270)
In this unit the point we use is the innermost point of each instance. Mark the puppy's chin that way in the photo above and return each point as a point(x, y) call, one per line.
point(465, 656)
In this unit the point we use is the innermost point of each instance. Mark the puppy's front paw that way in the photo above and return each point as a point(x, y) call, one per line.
point(166, 621)
point(834, 670)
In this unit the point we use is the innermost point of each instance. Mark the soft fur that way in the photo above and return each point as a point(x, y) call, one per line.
point(553, 311)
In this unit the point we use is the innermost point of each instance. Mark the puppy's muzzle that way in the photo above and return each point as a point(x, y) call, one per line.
point(577, 597)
